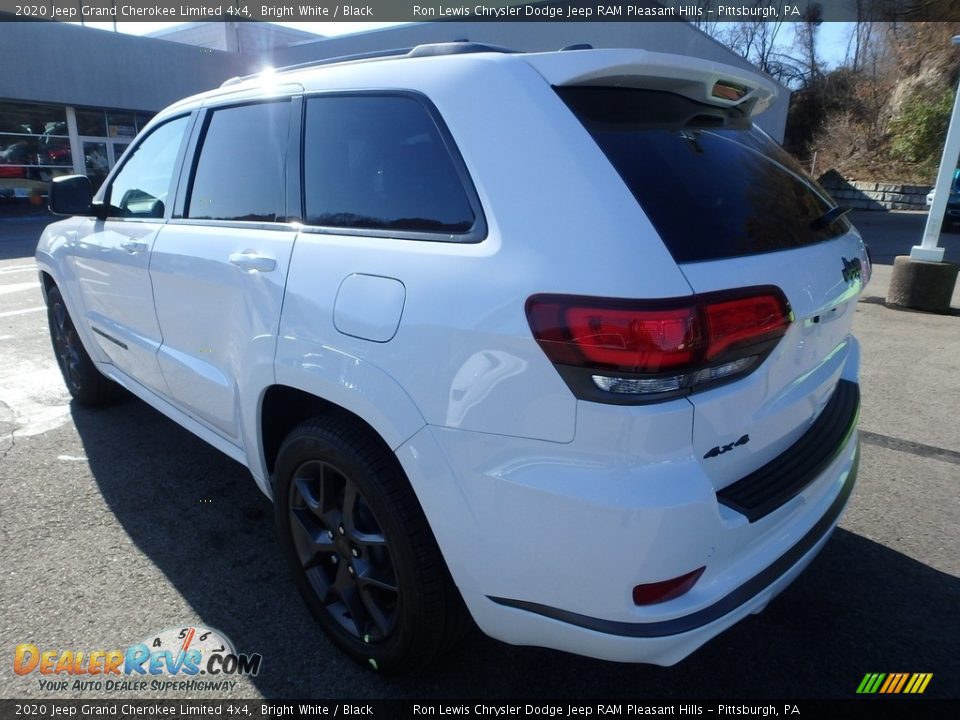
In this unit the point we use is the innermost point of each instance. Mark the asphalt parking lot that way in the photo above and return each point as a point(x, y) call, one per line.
point(116, 524)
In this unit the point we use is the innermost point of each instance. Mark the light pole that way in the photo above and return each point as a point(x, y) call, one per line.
point(929, 248)
point(922, 280)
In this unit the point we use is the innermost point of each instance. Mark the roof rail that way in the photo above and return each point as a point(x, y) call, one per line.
point(457, 47)
point(372, 55)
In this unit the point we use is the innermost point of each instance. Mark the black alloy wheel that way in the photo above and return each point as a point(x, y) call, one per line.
point(361, 552)
point(84, 382)
point(343, 551)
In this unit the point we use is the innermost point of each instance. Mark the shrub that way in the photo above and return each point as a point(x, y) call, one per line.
point(919, 131)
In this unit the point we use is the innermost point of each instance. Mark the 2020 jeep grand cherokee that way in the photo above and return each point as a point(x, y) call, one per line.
point(556, 341)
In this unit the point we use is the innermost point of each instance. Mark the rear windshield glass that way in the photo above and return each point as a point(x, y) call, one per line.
point(712, 185)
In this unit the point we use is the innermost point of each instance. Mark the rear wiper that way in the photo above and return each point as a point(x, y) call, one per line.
point(829, 217)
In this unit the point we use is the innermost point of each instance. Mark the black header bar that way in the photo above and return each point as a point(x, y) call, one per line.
point(873, 708)
point(696, 11)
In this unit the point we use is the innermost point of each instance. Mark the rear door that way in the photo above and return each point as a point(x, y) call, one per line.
point(220, 265)
point(736, 211)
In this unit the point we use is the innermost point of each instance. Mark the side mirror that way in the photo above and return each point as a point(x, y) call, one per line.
point(71, 195)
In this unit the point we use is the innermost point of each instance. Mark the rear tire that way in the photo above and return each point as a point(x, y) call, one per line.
point(360, 549)
point(84, 382)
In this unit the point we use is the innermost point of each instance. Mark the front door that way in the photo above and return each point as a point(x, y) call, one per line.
point(112, 257)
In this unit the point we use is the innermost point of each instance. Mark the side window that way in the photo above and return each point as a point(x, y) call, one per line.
point(240, 172)
point(140, 188)
point(380, 163)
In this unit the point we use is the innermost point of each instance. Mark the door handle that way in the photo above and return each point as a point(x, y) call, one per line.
point(132, 246)
point(250, 261)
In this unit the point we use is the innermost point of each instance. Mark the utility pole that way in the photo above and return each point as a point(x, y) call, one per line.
point(922, 280)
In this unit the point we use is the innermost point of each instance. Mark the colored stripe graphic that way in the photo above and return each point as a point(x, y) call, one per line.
point(919, 682)
point(870, 683)
point(875, 685)
point(894, 683)
point(903, 679)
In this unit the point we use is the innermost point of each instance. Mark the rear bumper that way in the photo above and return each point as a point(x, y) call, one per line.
point(747, 595)
point(546, 541)
point(769, 487)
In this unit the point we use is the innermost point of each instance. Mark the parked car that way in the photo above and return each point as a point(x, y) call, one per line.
point(558, 343)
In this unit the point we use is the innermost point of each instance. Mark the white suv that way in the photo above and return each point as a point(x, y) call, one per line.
point(559, 342)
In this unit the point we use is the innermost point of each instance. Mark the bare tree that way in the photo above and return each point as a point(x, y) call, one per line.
point(806, 41)
point(755, 40)
point(863, 35)
point(703, 22)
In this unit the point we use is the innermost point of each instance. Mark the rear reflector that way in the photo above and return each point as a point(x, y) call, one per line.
point(658, 592)
point(655, 350)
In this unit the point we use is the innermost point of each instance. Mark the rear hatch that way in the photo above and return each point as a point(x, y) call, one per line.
point(735, 211)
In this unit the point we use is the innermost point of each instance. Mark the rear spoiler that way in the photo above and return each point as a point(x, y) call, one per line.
point(704, 81)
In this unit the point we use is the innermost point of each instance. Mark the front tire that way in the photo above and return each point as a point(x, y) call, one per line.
point(83, 380)
point(361, 552)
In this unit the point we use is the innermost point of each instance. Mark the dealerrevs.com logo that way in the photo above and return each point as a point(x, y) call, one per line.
point(187, 659)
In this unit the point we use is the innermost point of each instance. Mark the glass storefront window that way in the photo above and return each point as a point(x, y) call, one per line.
point(121, 125)
point(96, 163)
point(35, 150)
point(55, 151)
point(107, 123)
point(118, 150)
point(28, 119)
point(35, 145)
point(92, 122)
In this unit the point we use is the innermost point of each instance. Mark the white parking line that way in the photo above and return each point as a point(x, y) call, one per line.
point(24, 311)
point(17, 268)
point(18, 287)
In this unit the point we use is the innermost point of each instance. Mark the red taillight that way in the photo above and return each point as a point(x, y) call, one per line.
point(657, 349)
point(744, 321)
point(658, 592)
point(635, 340)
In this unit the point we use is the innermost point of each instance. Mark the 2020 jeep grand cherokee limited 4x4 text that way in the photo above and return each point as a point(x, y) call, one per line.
point(559, 342)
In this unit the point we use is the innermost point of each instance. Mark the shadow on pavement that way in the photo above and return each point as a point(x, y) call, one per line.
point(19, 233)
point(861, 607)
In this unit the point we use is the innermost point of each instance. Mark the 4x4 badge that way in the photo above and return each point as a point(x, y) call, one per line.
point(721, 449)
point(851, 269)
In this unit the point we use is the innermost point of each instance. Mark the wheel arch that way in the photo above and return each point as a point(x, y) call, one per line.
point(47, 283)
point(283, 407)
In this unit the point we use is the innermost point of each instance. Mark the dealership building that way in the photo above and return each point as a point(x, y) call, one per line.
point(72, 98)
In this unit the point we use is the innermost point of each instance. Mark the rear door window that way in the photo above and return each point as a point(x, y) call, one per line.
point(381, 164)
point(713, 185)
point(239, 175)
